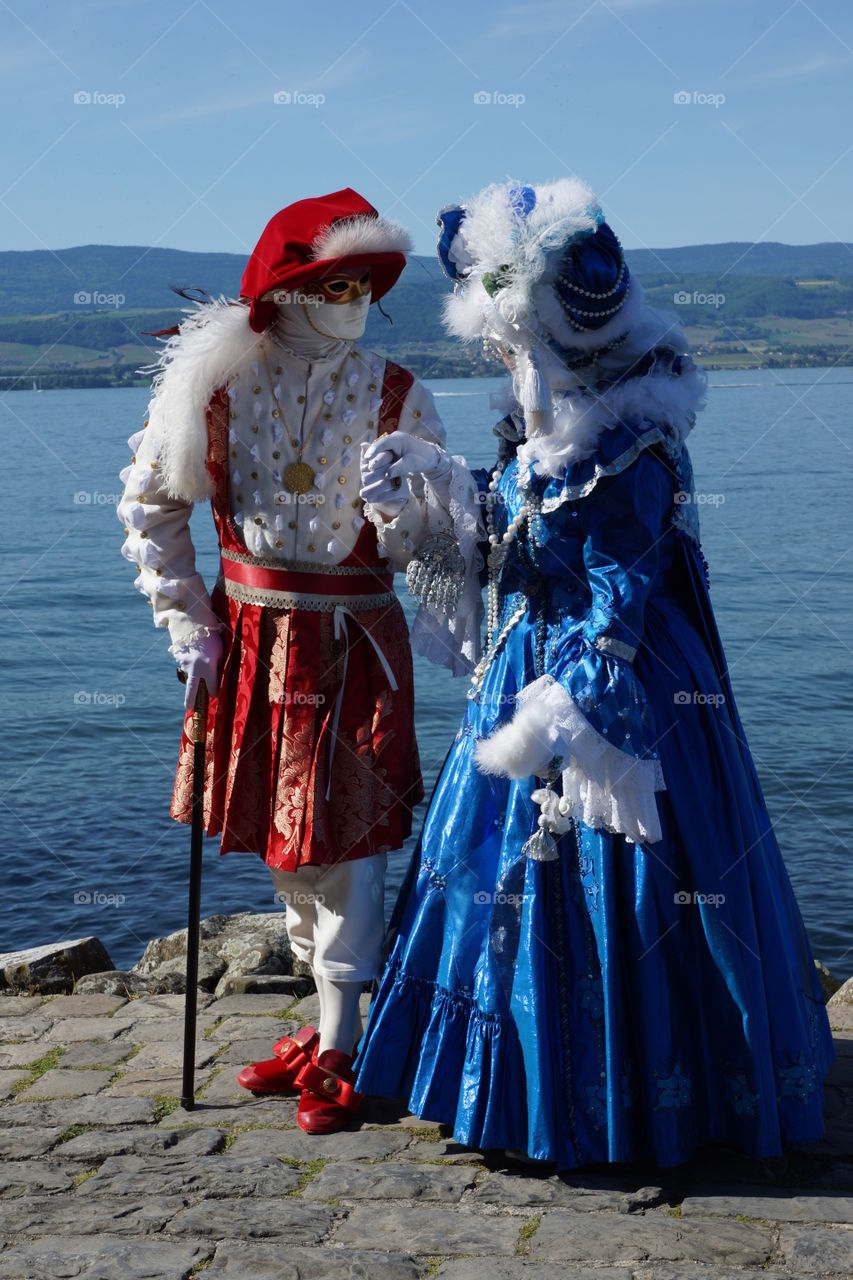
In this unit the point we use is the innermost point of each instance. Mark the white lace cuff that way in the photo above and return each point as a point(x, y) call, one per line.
point(603, 787)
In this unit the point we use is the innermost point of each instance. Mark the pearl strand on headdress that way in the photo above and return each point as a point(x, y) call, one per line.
point(589, 293)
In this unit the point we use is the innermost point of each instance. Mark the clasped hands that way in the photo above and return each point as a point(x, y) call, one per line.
point(389, 460)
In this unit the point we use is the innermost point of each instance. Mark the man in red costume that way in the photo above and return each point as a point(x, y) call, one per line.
point(263, 406)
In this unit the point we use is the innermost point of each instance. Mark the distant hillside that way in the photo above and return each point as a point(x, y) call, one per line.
point(80, 315)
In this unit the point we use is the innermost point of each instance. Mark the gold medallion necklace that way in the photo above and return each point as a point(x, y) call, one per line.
point(299, 476)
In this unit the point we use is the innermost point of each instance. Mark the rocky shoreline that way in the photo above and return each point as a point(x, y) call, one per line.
point(105, 1177)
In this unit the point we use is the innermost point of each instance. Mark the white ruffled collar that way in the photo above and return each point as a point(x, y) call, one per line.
point(582, 415)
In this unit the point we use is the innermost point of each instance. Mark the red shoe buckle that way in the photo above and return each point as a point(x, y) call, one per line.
point(296, 1050)
point(329, 1086)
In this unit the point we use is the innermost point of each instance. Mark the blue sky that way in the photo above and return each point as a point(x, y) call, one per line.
point(182, 143)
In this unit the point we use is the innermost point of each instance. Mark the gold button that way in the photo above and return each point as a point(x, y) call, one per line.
point(276, 413)
point(154, 466)
point(342, 479)
point(356, 501)
point(256, 391)
point(180, 604)
point(416, 413)
point(143, 534)
point(259, 520)
point(278, 542)
point(151, 602)
point(351, 397)
point(300, 399)
point(255, 428)
point(323, 462)
point(126, 529)
point(233, 413)
point(371, 386)
point(328, 417)
point(145, 422)
point(159, 573)
point(404, 533)
point(336, 524)
point(291, 524)
point(347, 439)
point(233, 453)
point(330, 1085)
point(140, 497)
point(278, 368)
point(254, 475)
point(334, 377)
point(370, 422)
point(139, 567)
point(311, 546)
point(276, 453)
point(133, 457)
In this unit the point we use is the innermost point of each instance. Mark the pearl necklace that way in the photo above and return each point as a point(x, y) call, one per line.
point(530, 512)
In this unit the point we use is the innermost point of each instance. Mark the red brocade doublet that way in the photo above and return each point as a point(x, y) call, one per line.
point(311, 754)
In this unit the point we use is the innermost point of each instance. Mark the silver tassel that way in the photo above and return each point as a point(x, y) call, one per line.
point(436, 575)
point(541, 847)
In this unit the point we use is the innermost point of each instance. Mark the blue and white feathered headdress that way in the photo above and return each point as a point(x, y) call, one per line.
point(538, 271)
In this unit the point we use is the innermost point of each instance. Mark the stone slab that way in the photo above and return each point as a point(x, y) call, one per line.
point(98, 1144)
point(74, 1257)
point(255, 1218)
point(173, 1174)
point(100, 1110)
point(416, 1230)
point(81, 1006)
point(510, 1189)
point(262, 1261)
point(52, 1215)
point(815, 1251)
point(60, 1083)
point(775, 1206)
point(564, 1236)
point(293, 1144)
point(389, 1181)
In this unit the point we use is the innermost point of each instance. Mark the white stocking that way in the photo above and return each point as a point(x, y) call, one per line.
point(340, 1017)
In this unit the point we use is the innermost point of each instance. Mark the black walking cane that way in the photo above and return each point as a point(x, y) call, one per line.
point(199, 745)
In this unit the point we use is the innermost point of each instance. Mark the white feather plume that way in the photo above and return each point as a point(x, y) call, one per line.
point(360, 234)
point(213, 341)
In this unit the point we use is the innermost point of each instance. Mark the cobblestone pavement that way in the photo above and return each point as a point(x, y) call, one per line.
point(105, 1176)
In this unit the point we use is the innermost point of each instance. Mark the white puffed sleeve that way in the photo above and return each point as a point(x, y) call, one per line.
point(159, 544)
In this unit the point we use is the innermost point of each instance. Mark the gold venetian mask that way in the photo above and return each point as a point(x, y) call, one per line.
point(346, 286)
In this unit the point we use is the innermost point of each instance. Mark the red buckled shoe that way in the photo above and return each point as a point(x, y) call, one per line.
point(278, 1074)
point(328, 1100)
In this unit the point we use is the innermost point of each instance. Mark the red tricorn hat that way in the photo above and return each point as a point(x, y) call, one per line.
point(314, 239)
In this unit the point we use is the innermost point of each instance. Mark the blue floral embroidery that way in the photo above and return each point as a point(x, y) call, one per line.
point(592, 995)
point(675, 1090)
point(744, 1101)
point(596, 1103)
point(797, 1081)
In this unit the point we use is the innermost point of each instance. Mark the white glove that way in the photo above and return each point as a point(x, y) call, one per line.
point(410, 456)
point(201, 660)
point(388, 494)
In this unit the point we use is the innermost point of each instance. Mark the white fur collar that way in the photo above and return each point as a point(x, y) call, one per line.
point(581, 416)
point(214, 340)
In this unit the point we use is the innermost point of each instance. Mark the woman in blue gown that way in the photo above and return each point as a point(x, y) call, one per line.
point(597, 954)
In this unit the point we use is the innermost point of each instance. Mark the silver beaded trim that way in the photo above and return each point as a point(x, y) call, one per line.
point(301, 566)
point(303, 600)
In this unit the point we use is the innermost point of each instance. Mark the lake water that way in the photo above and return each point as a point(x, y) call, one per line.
point(91, 707)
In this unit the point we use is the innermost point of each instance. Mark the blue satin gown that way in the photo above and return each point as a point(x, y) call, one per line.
point(624, 1001)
